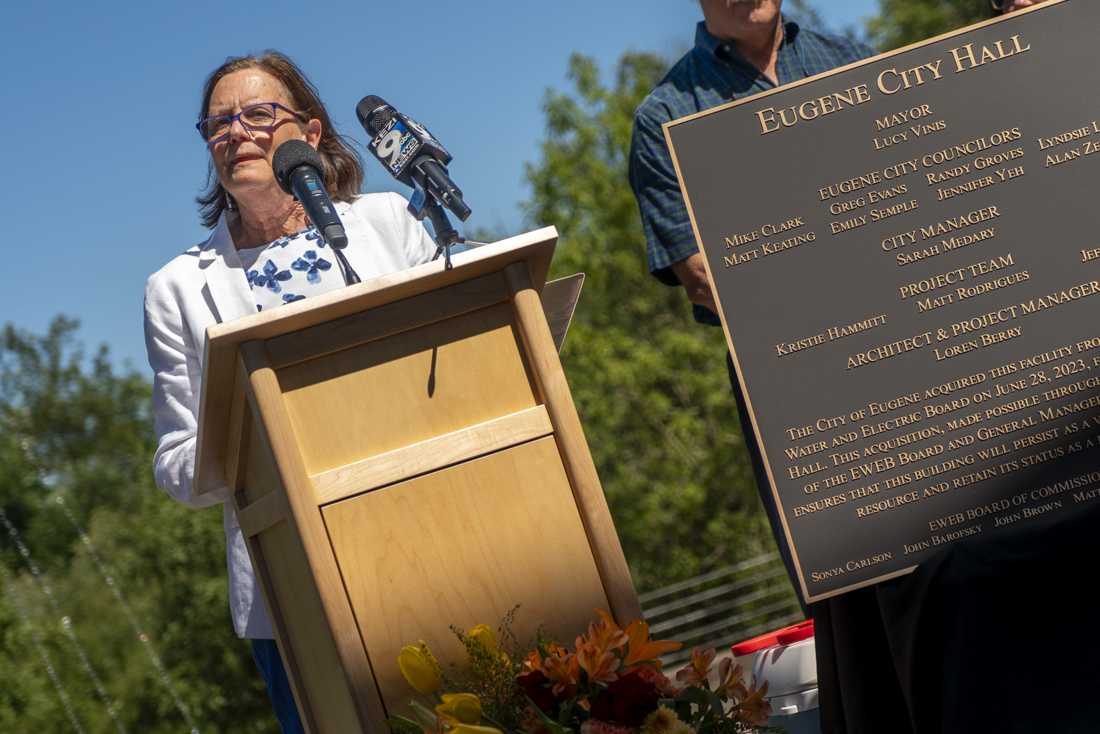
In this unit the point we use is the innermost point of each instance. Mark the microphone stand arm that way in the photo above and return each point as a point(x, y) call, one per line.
point(434, 191)
point(424, 203)
point(445, 234)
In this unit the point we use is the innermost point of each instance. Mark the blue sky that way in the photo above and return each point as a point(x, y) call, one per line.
point(100, 100)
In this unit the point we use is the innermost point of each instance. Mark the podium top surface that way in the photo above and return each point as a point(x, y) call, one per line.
point(536, 248)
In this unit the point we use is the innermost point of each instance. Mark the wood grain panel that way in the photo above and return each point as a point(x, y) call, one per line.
point(435, 453)
point(417, 385)
point(392, 318)
point(294, 605)
point(223, 340)
point(550, 378)
point(260, 515)
point(240, 428)
point(257, 461)
point(318, 625)
point(463, 546)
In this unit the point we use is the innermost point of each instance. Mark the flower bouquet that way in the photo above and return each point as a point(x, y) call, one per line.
point(609, 683)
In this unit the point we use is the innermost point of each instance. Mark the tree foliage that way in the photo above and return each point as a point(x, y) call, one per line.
point(95, 557)
point(98, 561)
point(901, 22)
point(649, 383)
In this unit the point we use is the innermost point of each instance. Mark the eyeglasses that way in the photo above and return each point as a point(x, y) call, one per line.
point(1000, 5)
point(260, 116)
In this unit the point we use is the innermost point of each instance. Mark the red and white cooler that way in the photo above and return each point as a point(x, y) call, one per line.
point(786, 660)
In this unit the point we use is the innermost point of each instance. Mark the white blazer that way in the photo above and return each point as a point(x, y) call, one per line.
point(206, 285)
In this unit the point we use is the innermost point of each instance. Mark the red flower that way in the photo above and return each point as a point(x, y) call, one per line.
point(627, 701)
point(660, 681)
point(602, 727)
point(536, 686)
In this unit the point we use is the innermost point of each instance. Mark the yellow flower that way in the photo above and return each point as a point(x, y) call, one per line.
point(484, 636)
point(419, 667)
point(460, 708)
point(681, 727)
point(662, 721)
point(469, 729)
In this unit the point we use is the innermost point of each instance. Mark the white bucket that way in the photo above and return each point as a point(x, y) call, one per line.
point(791, 673)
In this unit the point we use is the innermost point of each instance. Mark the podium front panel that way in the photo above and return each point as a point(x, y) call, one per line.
point(294, 604)
point(406, 388)
point(412, 466)
point(458, 546)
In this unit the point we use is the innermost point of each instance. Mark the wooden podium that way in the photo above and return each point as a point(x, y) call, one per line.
point(404, 455)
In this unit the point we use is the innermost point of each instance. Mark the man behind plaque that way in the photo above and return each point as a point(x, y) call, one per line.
point(742, 47)
point(1011, 6)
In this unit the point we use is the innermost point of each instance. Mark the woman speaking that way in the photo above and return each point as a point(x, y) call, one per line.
point(262, 253)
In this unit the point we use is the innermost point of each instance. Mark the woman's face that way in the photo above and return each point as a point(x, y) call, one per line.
point(242, 159)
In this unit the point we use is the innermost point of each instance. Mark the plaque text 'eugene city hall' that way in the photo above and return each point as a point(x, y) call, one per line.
point(906, 254)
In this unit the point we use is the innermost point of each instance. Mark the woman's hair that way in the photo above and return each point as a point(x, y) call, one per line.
point(343, 169)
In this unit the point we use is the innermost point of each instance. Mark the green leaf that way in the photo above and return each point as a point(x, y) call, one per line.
point(902, 22)
point(427, 717)
point(668, 447)
point(553, 726)
point(401, 725)
point(697, 696)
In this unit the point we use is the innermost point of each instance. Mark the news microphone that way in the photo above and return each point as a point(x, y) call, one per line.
point(410, 153)
point(298, 169)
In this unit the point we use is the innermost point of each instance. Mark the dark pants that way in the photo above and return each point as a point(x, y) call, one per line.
point(270, 663)
point(762, 488)
point(984, 626)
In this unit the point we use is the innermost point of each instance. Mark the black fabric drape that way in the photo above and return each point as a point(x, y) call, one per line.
point(992, 634)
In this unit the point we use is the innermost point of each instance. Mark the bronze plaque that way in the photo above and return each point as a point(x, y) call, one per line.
point(906, 256)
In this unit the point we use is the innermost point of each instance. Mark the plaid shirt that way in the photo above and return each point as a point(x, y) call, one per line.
point(712, 73)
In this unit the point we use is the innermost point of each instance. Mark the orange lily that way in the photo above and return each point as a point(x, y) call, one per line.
point(731, 681)
point(696, 673)
point(641, 649)
point(599, 663)
point(755, 709)
point(604, 634)
point(533, 662)
point(563, 670)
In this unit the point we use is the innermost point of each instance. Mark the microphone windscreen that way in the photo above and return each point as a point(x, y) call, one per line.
point(373, 113)
point(290, 155)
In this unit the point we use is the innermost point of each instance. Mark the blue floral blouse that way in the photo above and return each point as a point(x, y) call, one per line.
point(290, 268)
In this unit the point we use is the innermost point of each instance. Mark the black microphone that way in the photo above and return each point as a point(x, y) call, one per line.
point(298, 168)
point(410, 153)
